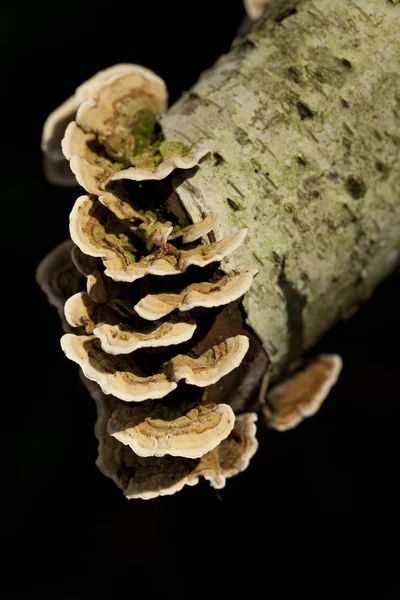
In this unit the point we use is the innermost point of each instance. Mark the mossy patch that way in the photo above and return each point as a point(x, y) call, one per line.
point(167, 149)
point(119, 240)
point(144, 131)
point(133, 135)
point(137, 140)
point(157, 153)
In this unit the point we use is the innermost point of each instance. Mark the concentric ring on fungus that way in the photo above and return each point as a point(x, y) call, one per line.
point(157, 430)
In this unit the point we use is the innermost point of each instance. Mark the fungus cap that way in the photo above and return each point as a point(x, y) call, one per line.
point(207, 295)
point(302, 395)
point(188, 431)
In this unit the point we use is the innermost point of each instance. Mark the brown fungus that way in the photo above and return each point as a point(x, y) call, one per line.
point(94, 234)
point(255, 8)
point(207, 295)
point(111, 112)
point(152, 448)
point(121, 376)
point(149, 477)
point(78, 310)
point(171, 159)
point(118, 376)
point(193, 232)
point(117, 339)
point(204, 254)
point(58, 277)
point(96, 287)
point(85, 264)
point(290, 402)
point(211, 366)
point(56, 166)
point(81, 311)
point(187, 430)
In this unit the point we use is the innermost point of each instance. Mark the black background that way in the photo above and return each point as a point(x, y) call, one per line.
point(317, 510)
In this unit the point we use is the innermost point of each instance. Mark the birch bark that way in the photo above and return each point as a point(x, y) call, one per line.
point(304, 118)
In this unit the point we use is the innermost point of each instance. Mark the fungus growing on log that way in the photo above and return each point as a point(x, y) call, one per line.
point(187, 430)
point(194, 232)
point(98, 233)
point(302, 395)
point(122, 235)
point(168, 157)
point(149, 477)
point(78, 310)
point(59, 279)
point(205, 294)
point(117, 339)
point(286, 127)
point(85, 264)
point(56, 166)
point(120, 377)
point(96, 287)
point(255, 8)
point(115, 122)
point(210, 366)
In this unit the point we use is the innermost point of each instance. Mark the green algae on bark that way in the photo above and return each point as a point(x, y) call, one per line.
point(307, 157)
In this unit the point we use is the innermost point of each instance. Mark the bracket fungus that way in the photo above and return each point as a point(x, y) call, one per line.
point(116, 136)
point(122, 112)
point(58, 277)
point(89, 88)
point(255, 8)
point(112, 135)
point(56, 167)
point(204, 254)
point(84, 263)
point(275, 166)
point(229, 458)
point(128, 236)
point(117, 339)
point(98, 233)
point(168, 157)
point(113, 116)
point(212, 365)
point(80, 310)
point(96, 287)
point(90, 169)
point(152, 476)
point(205, 294)
point(122, 377)
point(302, 395)
point(235, 454)
point(192, 233)
point(188, 431)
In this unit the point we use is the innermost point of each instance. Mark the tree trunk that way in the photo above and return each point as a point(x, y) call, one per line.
point(304, 118)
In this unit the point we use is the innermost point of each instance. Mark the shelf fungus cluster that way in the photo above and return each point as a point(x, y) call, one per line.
point(149, 346)
point(152, 449)
point(151, 316)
